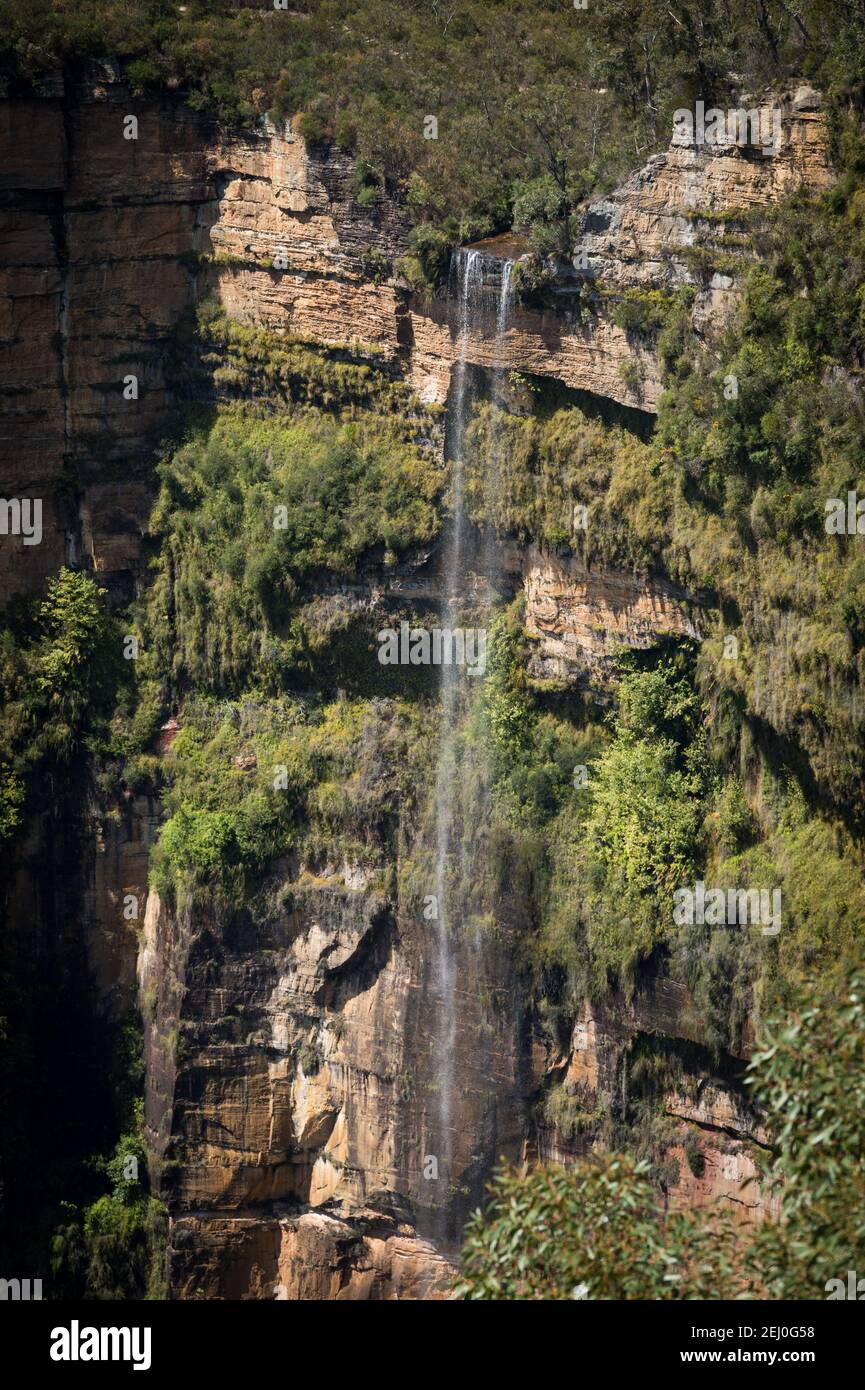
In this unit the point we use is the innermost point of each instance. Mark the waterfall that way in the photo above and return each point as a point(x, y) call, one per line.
point(470, 275)
point(492, 480)
point(465, 279)
point(504, 310)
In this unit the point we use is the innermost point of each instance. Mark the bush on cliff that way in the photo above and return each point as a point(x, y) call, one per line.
point(250, 512)
point(529, 476)
point(221, 356)
point(61, 672)
point(250, 781)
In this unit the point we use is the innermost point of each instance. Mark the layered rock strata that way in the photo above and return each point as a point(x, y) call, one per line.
point(291, 1086)
point(108, 239)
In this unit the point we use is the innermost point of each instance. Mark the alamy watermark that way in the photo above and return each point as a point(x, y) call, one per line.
point(853, 1289)
point(760, 126)
point(845, 516)
point(21, 516)
point(77, 1343)
point(730, 907)
point(20, 1290)
point(436, 646)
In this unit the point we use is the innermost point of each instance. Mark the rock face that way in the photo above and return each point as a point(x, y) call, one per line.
point(290, 1084)
point(115, 898)
point(581, 618)
point(644, 232)
point(276, 196)
point(713, 1138)
point(289, 1074)
point(312, 1257)
point(33, 429)
point(291, 248)
point(585, 355)
point(93, 286)
point(108, 239)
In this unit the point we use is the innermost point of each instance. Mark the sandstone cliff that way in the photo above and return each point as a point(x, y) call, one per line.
point(290, 1084)
point(108, 239)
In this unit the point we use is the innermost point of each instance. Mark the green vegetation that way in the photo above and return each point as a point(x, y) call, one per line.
point(662, 810)
point(596, 1231)
point(591, 1232)
point(537, 104)
point(113, 1247)
point(268, 513)
point(594, 827)
point(251, 510)
point(544, 466)
point(643, 830)
point(807, 1073)
point(61, 671)
point(728, 498)
point(63, 679)
point(251, 781)
point(301, 475)
point(218, 355)
point(641, 312)
point(758, 438)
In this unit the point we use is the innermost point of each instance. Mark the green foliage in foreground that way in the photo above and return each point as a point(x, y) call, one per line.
point(809, 1074)
point(591, 1232)
point(597, 1231)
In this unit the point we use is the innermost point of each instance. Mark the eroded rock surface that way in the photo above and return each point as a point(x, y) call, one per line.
point(106, 241)
point(714, 1138)
point(582, 618)
point(291, 1088)
point(290, 1070)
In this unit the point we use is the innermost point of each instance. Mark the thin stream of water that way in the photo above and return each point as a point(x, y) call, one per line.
point(473, 301)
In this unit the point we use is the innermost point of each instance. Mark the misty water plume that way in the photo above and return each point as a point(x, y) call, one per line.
point(480, 287)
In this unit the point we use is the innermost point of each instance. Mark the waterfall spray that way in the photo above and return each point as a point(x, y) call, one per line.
point(473, 303)
point(492, 479)
point(465, 274)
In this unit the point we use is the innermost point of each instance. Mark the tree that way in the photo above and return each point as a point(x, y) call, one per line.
point(809, 1074)
point(590, 1232)
point(598, 1230)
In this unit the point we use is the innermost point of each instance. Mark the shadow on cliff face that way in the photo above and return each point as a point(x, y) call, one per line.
point(489, 1119)
point(68, 1076)
point(527, 394)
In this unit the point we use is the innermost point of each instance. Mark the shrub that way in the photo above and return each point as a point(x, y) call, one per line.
point(250, 511)
point(586, 1233)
